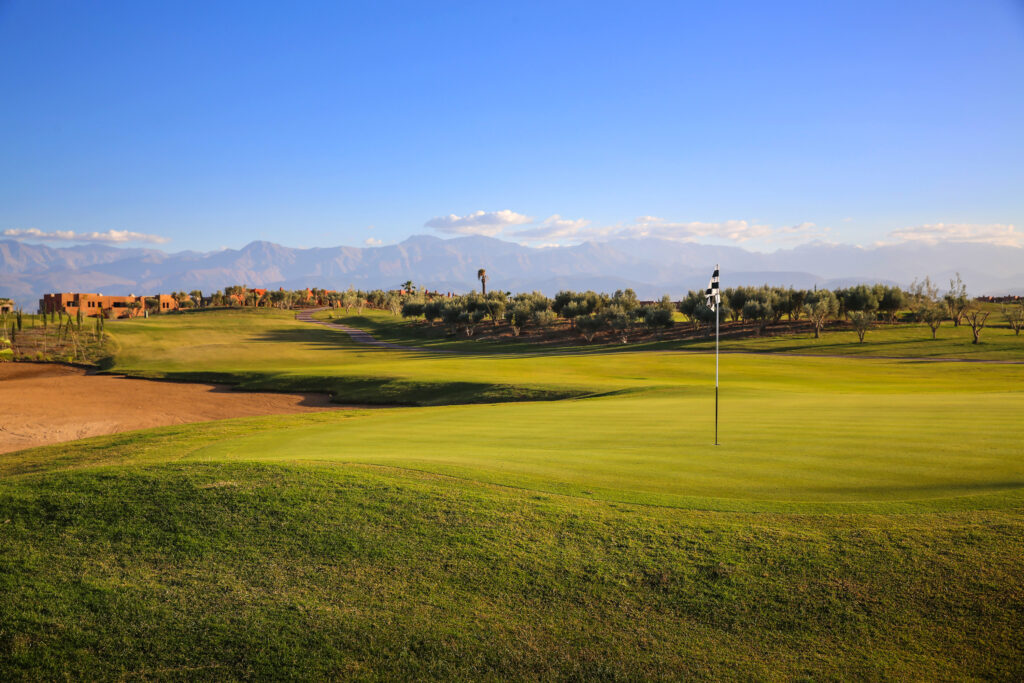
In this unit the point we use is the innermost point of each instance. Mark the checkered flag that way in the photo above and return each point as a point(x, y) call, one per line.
point(712, 296)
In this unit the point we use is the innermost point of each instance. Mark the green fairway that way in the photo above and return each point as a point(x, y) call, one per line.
point(861, 519)
point(793, 430)
point(998, 341)
point(657, 448)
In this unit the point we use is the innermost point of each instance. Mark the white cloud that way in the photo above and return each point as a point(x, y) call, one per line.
point(488, 223)
point(110, 236)
point(992, 233)
point(734, 231)
point(557, 229)
point(561, 231)
point(372, 242)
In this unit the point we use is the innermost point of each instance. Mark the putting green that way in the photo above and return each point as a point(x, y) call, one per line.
point(796, 432)
point(818, 438)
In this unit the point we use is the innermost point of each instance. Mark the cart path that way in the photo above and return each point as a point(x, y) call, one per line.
point(361, 336)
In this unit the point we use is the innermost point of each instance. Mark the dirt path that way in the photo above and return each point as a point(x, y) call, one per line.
point(360, 336)
point(44, 404)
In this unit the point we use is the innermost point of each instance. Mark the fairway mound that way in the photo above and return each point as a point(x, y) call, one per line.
point(46, 404)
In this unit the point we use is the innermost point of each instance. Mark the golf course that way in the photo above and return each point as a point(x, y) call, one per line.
point(531, 511)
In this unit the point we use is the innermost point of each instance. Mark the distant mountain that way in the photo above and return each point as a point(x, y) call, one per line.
point(650, 266)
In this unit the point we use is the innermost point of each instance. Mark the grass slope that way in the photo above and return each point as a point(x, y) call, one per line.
point(863, 520)
point(240, 570)
point(269, 350)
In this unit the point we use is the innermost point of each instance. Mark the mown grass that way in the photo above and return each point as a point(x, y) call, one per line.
point(902, 340)
point(242, 570)
point(269, 350)
point(862, 519)
point(793, 430)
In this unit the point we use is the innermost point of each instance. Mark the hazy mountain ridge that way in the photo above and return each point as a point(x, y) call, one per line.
point(650, 266)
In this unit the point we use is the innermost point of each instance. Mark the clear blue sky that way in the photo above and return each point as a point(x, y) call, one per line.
point(314, 124)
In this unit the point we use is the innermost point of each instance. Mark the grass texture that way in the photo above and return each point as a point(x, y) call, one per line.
point(862, 519)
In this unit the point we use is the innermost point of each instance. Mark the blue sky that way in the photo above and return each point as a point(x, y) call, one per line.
point(201, 125)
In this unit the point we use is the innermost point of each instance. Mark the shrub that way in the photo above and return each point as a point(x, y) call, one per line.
point(412, 309)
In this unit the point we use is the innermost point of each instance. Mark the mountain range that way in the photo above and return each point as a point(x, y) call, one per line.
point(650, 266)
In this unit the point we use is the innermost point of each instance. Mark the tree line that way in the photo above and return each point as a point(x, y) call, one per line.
point(621, 315)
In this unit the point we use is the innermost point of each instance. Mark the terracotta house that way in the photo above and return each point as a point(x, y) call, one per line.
point(95, 305)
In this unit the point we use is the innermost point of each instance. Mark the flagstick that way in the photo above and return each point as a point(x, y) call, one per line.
point(718, 305)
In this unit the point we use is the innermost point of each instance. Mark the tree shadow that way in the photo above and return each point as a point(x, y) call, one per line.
point(933, 490)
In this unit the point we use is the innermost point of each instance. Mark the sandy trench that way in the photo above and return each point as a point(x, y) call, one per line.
point(44, 404)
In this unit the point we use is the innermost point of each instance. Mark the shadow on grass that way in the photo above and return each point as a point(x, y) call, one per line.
point(331, 340)
point(336, 339)
point(932, 490)
point(370, 390)
point(415, 348)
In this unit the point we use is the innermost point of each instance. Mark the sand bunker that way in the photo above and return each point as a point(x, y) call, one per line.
point(44, 404)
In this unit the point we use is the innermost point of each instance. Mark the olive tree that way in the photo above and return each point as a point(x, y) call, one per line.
point(932, 316)
point(495, 304)
point(861, 321)
point(821, 305)
point(976, 318)
point(693, 306)
point(923, 299)
point(736, 297)
point(627, 301)
point(957, 300)
point(518, 316)
point(350, 299)
point(1015, 317)
point(759, 312)
point(797, 300)
point(469, 319)
point(394, 303)
point(588, 326)
point(859, 298)
point(449, 314)
point(619, 320)
point(659, 317)
point(432, 311)
point(782, 304)
point(412, 309)
point(890, 301)
point(543, 318)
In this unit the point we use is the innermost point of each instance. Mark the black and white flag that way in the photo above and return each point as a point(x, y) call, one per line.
point(712, 295)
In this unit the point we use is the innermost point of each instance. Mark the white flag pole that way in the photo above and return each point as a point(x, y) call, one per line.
point(718, 305)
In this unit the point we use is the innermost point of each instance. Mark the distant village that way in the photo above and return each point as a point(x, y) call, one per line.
point(133, 306)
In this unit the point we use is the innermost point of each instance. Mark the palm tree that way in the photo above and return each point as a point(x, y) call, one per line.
point(481, 275)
